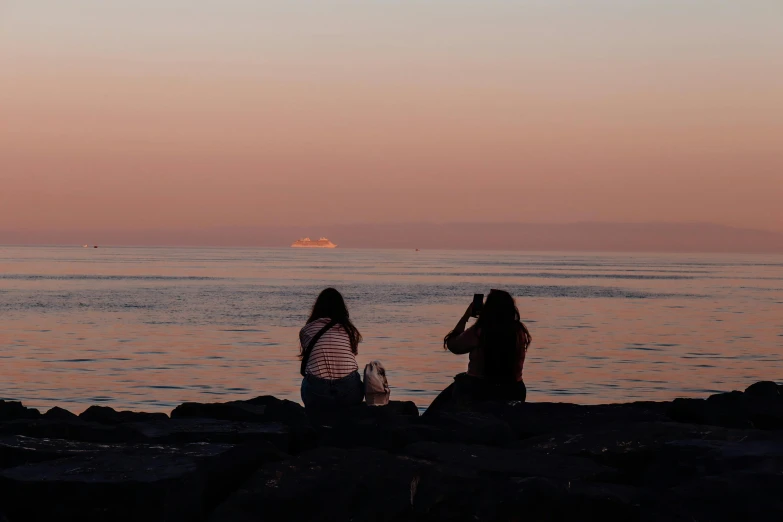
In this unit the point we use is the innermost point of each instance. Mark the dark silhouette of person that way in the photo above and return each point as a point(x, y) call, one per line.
point(497, 344)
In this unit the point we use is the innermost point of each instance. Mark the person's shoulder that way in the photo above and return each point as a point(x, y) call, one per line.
point(314, 326)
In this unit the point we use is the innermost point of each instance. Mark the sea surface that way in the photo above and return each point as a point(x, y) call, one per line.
point(149, 328)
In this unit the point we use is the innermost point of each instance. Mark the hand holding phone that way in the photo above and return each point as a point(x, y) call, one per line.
point(478, 305)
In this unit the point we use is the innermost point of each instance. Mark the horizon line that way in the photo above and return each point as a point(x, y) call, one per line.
point(433, 249)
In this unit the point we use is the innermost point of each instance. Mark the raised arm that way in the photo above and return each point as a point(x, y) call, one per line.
point(459, 340)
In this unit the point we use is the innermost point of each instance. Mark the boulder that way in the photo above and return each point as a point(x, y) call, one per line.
point(406, 410)
point(633, 448)
point(58, 413)
point(180, 431)
point(464, 427)
point(604, 501)
point(625, 437)
point(229, 411)
point(510, 462)
point(738, 495)
point(759, 407)
point(327, 484)
point(385, 434)
point(263, 409)
point(74, 429)
point(129, 483)
point(106, 415)
point(717, 457)
point(766, 389)
point(382, 428)
point(528, 419)
point(13, 410)
point(16, 450)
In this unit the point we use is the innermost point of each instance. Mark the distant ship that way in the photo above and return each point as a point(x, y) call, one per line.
point(306, 242)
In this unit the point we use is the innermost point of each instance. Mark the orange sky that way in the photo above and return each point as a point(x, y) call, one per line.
point(137, 115)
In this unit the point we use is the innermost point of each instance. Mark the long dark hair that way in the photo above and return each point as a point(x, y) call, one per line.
point(503, 337)
point(331, 305)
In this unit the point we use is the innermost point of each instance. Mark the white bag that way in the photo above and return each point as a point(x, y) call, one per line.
point(376, 387)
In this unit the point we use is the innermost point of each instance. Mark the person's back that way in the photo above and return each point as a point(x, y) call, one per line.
point(332, 356)
point(497, 345)
point(328, 347)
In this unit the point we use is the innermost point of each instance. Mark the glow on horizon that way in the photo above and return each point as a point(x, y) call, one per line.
point(238, 113)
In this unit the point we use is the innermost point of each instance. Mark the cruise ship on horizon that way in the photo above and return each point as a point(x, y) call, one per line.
point(306, 242)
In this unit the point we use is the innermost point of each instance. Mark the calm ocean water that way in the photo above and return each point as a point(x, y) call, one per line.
point(149, 328)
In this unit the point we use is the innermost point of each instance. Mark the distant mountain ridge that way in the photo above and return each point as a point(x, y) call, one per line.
point(609, 237)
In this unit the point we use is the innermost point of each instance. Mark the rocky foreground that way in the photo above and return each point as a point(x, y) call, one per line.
point(264, 459)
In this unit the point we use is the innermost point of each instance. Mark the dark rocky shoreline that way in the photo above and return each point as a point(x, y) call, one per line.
point(265, 459)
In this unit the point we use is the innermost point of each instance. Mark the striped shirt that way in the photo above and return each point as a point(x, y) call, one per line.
point(331, 357)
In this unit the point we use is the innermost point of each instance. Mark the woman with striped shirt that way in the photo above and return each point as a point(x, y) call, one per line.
point(329, 343)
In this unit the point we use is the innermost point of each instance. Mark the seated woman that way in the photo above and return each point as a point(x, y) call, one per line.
point(329, 343)
point(497, 344)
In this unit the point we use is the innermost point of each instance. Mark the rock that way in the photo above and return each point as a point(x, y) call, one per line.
point(665, 454)
point(385, 434)
point(327, 484)
point(698, 411)
point(603, 501)
point(764, 389)
point(393, 410)
point(443, 402)
point(180, 431)
point(106, 415)
point(498, 461)
point(618, 438)
point(13, 410)
point(464, 427)
point(454, 494)
point(383, 429)
point(104, 487)
point(761, 408)
point(230, 411)
point(510, 462)
point(129, 483)
point(444, 493)
point(717, 457)
point(16, 450)
point(540, 499)
point(227, 470)
point(630, 447)
point(732, 496)
point(58, 413)
point(263, 409)
point(74, 429)
point(531, 419)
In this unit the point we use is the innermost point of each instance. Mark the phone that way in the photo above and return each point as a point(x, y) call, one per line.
point(478, 304)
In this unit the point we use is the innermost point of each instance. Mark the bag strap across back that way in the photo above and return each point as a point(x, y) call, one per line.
point(311, 345)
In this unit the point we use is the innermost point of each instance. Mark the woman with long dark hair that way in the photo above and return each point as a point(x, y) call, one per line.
point(329, 343)
point(497, 344)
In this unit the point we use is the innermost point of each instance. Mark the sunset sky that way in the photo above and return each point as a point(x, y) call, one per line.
point(204, 113)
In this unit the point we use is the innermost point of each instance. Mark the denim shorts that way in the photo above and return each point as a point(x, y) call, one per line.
point(326, 394)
